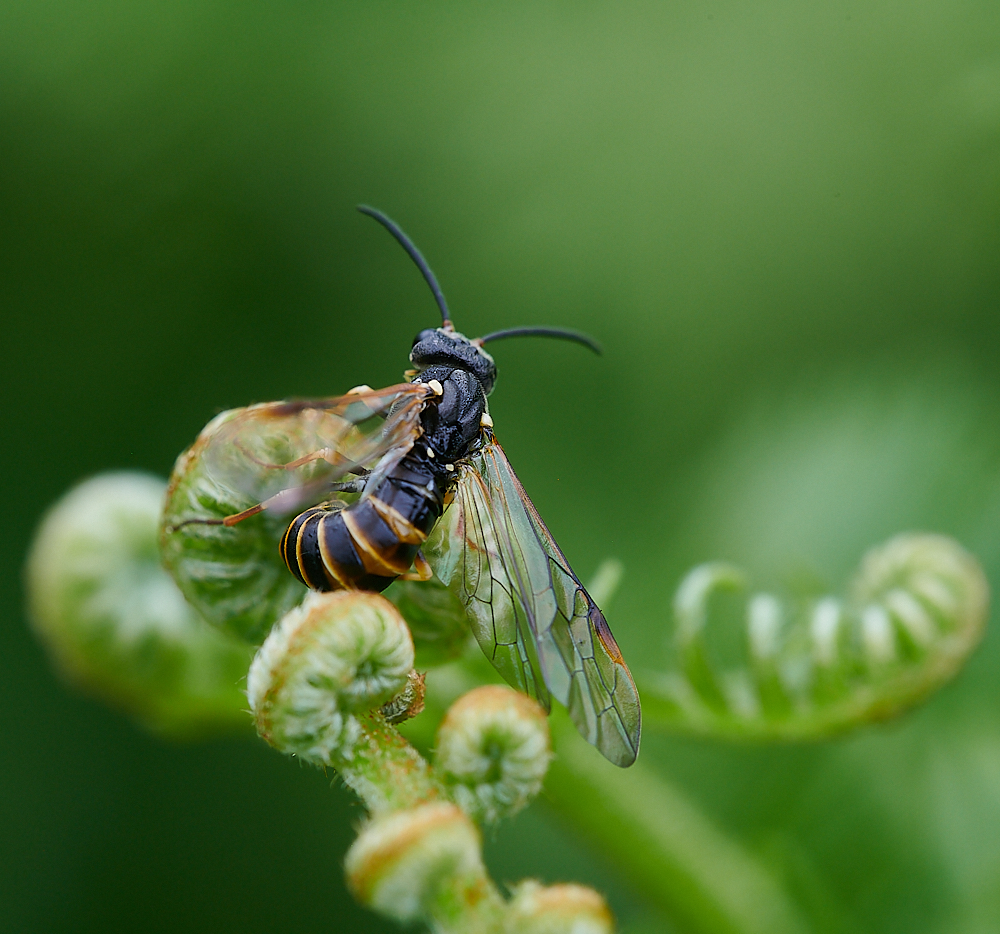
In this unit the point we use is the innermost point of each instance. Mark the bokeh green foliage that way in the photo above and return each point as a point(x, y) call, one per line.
point(115, 622)
point(781, 220)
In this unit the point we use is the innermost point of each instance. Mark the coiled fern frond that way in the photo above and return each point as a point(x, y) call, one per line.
point(807, 668)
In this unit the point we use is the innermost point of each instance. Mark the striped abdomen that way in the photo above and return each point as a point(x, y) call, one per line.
point(367, 545)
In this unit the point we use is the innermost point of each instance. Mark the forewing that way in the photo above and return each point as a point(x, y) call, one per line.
point(469, 552)
point(300, 448)
point(529, 611)
point(234, 575)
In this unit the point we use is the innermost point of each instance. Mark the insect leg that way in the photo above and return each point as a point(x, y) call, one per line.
point(286, 500)
point(227, 520)
point(350, 486)
point(421, 570)
point(327, 454)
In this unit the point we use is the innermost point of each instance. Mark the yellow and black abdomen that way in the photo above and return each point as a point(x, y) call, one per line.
point(367, 545)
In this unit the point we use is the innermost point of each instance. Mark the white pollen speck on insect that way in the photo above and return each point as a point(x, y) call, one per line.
point(435, 387)
point(364, 387)
point(486, 421)
point(449, 466)
point(430, 452)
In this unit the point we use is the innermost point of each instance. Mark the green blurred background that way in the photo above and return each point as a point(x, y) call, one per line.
point(780, 219)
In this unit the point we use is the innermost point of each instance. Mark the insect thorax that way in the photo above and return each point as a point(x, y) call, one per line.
point(453, 424)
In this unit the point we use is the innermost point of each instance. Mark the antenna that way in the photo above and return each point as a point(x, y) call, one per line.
point(407, 244)
point(561, 333)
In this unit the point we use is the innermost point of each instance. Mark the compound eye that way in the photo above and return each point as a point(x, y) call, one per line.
point(425, 334)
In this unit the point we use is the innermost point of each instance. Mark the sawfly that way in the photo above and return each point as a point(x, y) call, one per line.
point(371, 474)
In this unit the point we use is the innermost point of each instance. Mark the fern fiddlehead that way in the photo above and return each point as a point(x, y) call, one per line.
point(319, 688)
point(811, 667)
point(115, 623)
point(337, 673)
point(327, 685)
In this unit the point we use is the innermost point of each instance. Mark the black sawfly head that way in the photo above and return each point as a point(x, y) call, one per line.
point(446, 347)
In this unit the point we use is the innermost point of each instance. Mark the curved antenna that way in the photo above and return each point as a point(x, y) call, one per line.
point(407, 244)
point(561, 333)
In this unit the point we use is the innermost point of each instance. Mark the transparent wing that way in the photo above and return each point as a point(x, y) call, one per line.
point(529, 612)
point(287, 454)
point(468, 552)
point(269, 461)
